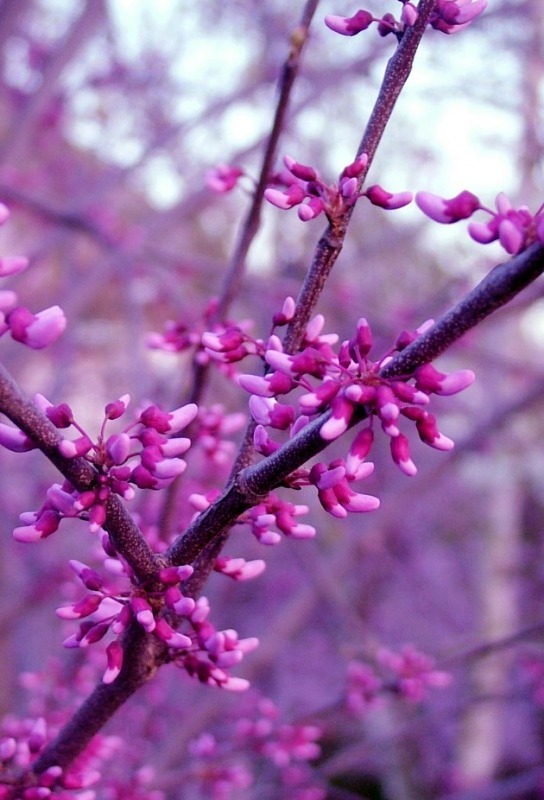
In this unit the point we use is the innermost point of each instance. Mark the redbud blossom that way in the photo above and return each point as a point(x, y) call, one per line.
point(349, 26)
point(36, 330)
point(15, 440)
point(238, 568)
point(114, 653)
point(380, 197)
point(450, 16)
point(223, 178)
point(286, 314)
point(459, 207)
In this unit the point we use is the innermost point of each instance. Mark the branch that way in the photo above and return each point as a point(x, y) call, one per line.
point(330, 245)
point(142, 655)
point(503, 283)
point(125, 535)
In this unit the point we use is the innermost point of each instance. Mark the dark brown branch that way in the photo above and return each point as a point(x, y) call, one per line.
point(495, 290)
point(142, 656)
point(248, 230)
point(330, 245)
point(125, 534)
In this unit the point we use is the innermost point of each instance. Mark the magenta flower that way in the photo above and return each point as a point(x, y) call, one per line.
point(414, 672)
point(350, 26)
point(223, 178)
point(515, 228)
point(384, 199)
point(238, 568)
point(300, 185)
point(447, 211)
point(36, 330)
point(450, 16)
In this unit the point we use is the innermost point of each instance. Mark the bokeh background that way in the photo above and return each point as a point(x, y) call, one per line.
point(110, 115)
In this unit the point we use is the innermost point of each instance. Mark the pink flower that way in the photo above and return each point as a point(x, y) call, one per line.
point(350, 26)
point(414, 671)
point(380, 197)
point(36, 330)
point(459, 207)
point(15, 440)
point(114, 653)
point(238, 568)
point(223, 178)
point(450, 16)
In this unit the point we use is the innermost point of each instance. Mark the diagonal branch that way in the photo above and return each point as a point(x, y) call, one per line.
point(503, 283)
point(125, 535)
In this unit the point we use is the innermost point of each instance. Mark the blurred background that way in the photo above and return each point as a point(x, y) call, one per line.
point(110, 115)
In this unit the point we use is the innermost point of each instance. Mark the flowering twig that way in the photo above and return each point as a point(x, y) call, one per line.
point(330, 244)
point(249, 227)
point(494, 291)
point(125, 534)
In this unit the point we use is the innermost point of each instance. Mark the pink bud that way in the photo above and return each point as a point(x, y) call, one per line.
point(181, 417)
point(300, 171)
point(360, 448)
point(118, 447)
point(114, 653)
point(15, 440)
point(459, 207)
point(287, 312)
point(36, 330)
point(117, 408)
point(172, 638)
point(338, 422)
point(349, 26)
point(294, 195)
point(79, 447)
point(238, 568)
point(143, 613)
point(380, 197)
point(400, 451)
point(311, 209)
point(363, 337)
point(511, 236)
point(89, 577)
point(409, 14)
point(223, 178)
point(353, 501)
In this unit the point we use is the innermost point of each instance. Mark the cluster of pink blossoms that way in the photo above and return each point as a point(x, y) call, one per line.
point(263, 519)
point(203, 652)
point(287, 748)
point(301, 186)
point(515, 228)
point(448, 16)
point(409, 673)
point(348, 384)
point(145, 454)
point(34, 330)
point(22, 739)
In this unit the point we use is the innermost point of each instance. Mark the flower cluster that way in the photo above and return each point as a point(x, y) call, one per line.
point(34, 330)
point(515, 228)
point(263, 519)
point(145, 454)
point(204, 652)
point(348, 385)
point(448, 16)
point(23, 739)
point(301, 186)
point(221, 767)
point(409, 674)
